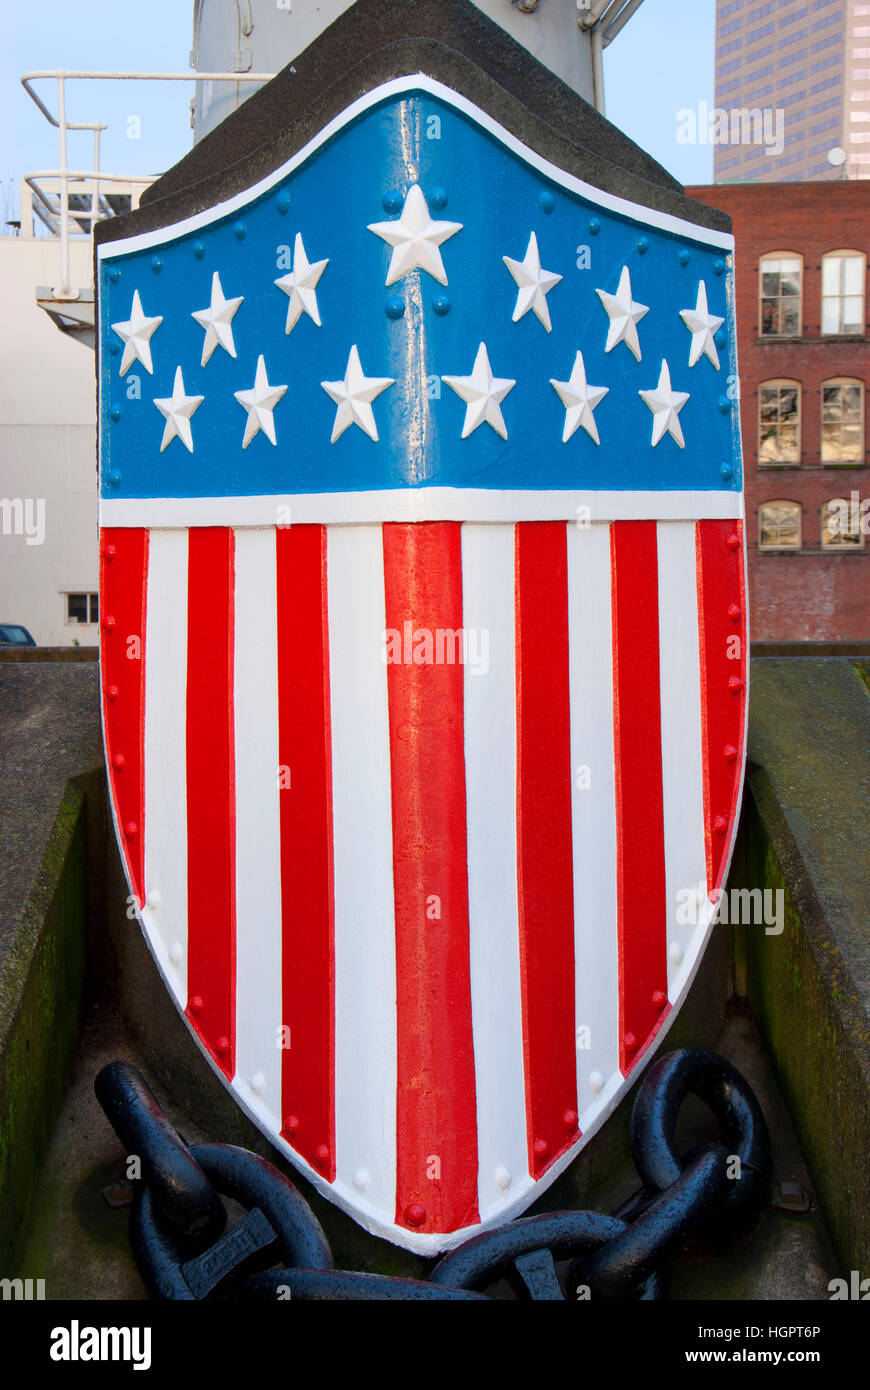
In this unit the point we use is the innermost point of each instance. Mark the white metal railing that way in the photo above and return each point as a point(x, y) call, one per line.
point(57, 214)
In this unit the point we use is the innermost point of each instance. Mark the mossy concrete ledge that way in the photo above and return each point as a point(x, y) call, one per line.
point(49, 799)
point(807, 820)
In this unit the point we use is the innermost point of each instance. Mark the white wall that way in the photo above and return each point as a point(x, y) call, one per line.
point(47, 448)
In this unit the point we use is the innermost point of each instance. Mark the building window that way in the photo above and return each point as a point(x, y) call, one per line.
point(82, 608)
point(779, 422)
point(843, 292)
point(780, 293)
point(841, 527)
point(779, 526)
point(842, 421)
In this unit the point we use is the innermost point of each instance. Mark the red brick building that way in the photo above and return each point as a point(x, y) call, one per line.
point(804, 357)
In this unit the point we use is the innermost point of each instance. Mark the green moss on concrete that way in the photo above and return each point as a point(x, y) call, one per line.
point(40, 1009)
point(806, 829)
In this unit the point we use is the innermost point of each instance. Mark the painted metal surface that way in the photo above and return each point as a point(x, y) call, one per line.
point(423, 657)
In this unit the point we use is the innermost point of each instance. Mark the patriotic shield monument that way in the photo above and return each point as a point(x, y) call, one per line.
point(423, 597)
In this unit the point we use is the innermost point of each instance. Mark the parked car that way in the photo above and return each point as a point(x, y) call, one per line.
point(14, 635)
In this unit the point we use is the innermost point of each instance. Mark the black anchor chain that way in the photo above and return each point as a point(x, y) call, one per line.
point(278, 1251)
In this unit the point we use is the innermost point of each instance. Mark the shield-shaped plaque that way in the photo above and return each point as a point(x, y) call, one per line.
point(424, 635)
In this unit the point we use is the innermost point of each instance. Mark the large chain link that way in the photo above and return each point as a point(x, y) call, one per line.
point(184, 1251)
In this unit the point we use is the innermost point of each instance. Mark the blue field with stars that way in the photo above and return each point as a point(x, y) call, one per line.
point(573, 263)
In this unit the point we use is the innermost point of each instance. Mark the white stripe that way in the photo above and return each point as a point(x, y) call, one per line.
point(365, 941)
point(650, 217)
point(682, 766)
point(258, 836)
point(488, 617)
point(596, 957)
point(421, 504)
point(165, 912)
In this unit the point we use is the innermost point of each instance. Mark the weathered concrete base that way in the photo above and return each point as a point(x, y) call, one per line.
point(807, 823)
point(47, 737)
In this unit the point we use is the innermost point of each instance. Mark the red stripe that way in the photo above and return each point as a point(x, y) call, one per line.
point(722, 623)
point(545, 873)
point(436, 1178)
point(123, 595)
point(640, 870)
point(211, 808)
point(307, 903)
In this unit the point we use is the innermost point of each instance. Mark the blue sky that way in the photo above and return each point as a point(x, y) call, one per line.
point(663, 60)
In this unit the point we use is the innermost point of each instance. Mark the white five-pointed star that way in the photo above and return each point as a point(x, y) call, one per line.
point(301, 285)
point(354, 396)
point(483, 394)
point(259, 402)
point(415, 239)
point(177, 410)
point(534, 283)
point(579, 400)
point(136, 336)
point(217, 320)
point(624, 315)
point(702, 326)
point(665, 405)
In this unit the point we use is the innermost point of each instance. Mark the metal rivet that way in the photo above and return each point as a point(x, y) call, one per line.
point(114, 478)
point(198, 249)
point(502, 1177)
point(724, 405)
point(291, 1124)
point(157, 264)
point(176, 953)
point(258, 1083)
point(361, 1179)
point(392, 202)
point(643, 245)
point(547, 201)
point(282, 202)
point(721, 338)
point(684, 257)
point(153, 898)
point(735, 684)
point(720, 825)
point(630, 1042)
point(718, 267)
point(131, 828)
point(114, 348)
point(733, 541)
point(438, 198)
point(108, 622)
point(111, 693)
point(735, 611)
point(730, 753)
point(541, 1147)
point(596, 1080)
point(195, 1004)
point(441, 304)
point(727, 471)
point(114, 275)
point(109, 552)
point(115, 413)
point(239, 231)
point(659, 999)
point(415, 1214)
point(675, 952)
point(321, 1153)
point(569, 1119)
point(118, 760)
point(223, 1044)
point(594, 226)
point(395, 307)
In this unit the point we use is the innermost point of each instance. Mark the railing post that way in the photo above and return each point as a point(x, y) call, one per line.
point(64, 291)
